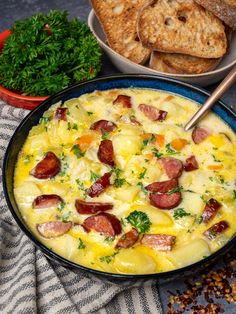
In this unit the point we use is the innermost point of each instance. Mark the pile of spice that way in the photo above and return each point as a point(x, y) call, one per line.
point(207, 293)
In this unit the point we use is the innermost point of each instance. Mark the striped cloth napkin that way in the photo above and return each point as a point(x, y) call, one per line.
point(30, 283)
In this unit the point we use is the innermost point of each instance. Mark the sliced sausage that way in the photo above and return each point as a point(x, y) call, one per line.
point(106, 224)
point(53, 229)
point(106, 153)
point(103, 126)
point(47, 168)
point(123, 100)
point(165, 201)
point(199, 135)
point(47, 200)
point(172, 166)
point(162, 186)
point(100, 185)
point(162, 242)
point(128, 239)
point(60, 114)
point(191, 164)
point(216, 229)
point(87, 208)
point(210, 210)
point(153, 113)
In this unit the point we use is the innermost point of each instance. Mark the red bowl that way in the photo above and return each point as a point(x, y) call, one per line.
point(12, 98)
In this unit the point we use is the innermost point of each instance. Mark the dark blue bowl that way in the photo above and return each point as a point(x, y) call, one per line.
point(117, 81)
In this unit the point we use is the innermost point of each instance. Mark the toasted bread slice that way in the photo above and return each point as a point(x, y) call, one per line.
point(224, 9)
point(181, 26)
point(177, 63)
point(119, 19)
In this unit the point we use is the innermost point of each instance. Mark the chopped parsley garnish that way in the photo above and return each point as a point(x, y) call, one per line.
point(215, 159)
point(107, 259)
point(211, 179)
point(66, 217)
point(140, 184)
point(28, 158)
point(64, 168)
point(108, 240)
point(62, 156)
point(156, 153)
point(105, 135)
point(170, 151)
point(44, 120)
point(142, 174)
point(77, 151)
point(140, 221)
point(81, 187)
point(81, 245)
point(72, 126)
point(179, 213)
point(118, 182)
point(148, 140)
point(203, 199)
point(174, 190)
point(199, 220)
point(234, 197)
point(90, 113)
point(61, 206)
point(93, 176)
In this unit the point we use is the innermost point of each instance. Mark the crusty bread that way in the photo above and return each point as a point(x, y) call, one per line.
point(181, 26)
point(119, 19)
point(224, 9)
point(177, 63)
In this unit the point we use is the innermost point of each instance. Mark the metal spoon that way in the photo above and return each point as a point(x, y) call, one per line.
point(219, 91)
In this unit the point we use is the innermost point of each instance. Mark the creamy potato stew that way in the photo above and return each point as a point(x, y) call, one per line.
point(111, 181)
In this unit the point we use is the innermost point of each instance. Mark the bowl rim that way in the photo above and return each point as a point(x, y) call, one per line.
point(3, 35)
point(66, 262)
point(91, 18)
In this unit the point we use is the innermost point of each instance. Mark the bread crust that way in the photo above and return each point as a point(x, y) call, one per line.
point(181, 26)
point(223, 9)
point(181, 64)
point(119, 19)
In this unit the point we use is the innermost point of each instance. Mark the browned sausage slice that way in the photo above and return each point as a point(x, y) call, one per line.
point(162, 242)
point(100, 185)
point(216, 229)
point(106, 153)
point(210, 210)
point(128, 239)
point(87, 208)
point(123, 100)
point(199, 135)
point(104, 223)
point(191, 164)
point(165, 201)
point(60, 114)
point(103, 126)
point(47, 168)
point(53, 229)
point(153, 113)
point(172, 166)
point(47, 200)
point(162, 186)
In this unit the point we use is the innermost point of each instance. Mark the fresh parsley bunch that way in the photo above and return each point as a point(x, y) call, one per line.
point(46, 53)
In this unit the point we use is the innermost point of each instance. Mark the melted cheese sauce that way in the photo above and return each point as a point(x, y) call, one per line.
point(133, 158)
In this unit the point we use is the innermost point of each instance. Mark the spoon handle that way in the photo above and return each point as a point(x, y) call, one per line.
point(219, 91)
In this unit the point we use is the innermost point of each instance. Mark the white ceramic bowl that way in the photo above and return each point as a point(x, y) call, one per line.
point(127, 66)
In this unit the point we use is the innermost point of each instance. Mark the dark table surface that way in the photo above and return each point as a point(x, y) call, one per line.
point(13, 10)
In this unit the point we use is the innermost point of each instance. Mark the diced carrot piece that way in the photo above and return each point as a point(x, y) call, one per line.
point(169, 97)
point(146, 136)
point(85, 141)
point(148, 156)
point(178, 143)
point(160, 140)
point(215, 167)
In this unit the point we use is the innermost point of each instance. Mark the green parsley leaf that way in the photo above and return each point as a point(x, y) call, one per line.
point(140, 184)
point(61, 206)
point(93, 176)
point(107, 259)
point(179, 213)
point(72, 126)
point(81, 245)
point(90, 113)
point(139, 220)
point(215, 159)
point(44, 120)
point(66, 217)
point(156, 153)
point(28, 158)
point(234, 197)
point(77, 151)
point(199, 220)
point(105, 135)
point(174, 190)
point(148, 140)
point(118, 182)
point(108, 240)
point(170, 151)
point(142, 174)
